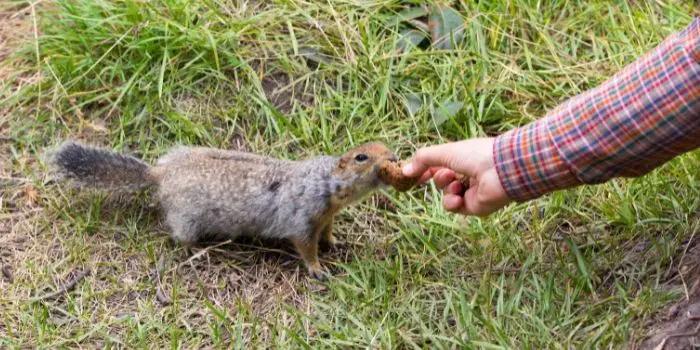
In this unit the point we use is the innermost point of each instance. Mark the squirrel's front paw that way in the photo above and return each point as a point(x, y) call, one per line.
point(318, 273)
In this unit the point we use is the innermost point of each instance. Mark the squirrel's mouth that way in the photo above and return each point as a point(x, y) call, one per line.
point(377, 179)
point(379, 183)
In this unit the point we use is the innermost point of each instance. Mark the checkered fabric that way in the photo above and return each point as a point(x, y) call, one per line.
point(637, 120)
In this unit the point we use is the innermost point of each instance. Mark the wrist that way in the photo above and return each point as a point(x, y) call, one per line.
point(528, 163)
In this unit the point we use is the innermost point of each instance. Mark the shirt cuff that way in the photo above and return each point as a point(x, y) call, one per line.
point(528, 163)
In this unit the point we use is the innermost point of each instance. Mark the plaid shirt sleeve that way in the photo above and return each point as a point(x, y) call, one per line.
point(637, 120)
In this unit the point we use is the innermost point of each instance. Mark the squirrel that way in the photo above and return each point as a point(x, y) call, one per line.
point(209, 193)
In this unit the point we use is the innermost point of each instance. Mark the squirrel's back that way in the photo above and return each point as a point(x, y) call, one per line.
point(101, 169)
point(217, 193)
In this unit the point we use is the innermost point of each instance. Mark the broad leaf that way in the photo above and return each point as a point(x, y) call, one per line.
point(413, 103)
point(446, 111)
point(408, 15)
point(409, 39)
point(445, 23)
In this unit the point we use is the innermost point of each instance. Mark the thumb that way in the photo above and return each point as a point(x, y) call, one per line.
point(449, 155)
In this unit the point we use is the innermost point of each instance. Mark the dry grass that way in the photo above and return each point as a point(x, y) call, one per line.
point(590, 267)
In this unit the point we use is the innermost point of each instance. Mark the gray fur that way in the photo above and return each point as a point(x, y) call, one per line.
point(97, 168)
point(225, 197)
point(210, 194)
point(218, 194)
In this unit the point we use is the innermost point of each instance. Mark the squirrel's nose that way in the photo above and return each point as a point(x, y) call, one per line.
point(393, 158)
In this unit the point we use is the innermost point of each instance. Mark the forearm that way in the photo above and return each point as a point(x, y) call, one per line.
point(639, 119)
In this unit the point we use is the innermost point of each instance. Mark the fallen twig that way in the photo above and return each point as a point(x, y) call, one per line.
point(65, 288)
point(160, 296)
point(11, 181)
point(198, 255)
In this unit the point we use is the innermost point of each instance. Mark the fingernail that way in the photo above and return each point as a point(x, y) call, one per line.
point(408, 169)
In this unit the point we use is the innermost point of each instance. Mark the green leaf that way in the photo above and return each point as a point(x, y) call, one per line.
point(214, 48)
point(408, 15)
point(314, 55)
point(581, 264)
point(161, 75)
point(446, 111)
point(413, 104)
point(445, 24)
point(409, 39)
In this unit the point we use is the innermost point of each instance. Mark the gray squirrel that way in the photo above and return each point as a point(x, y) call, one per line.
point(220, 194)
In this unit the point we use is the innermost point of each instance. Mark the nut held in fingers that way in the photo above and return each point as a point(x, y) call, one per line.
point(391, 174)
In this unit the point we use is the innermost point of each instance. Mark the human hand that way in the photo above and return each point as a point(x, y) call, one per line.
point(472, 158)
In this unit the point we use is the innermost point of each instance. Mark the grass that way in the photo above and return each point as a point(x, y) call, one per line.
point(583, 268)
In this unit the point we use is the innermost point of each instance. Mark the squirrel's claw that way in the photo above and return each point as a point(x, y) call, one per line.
point(319, 273)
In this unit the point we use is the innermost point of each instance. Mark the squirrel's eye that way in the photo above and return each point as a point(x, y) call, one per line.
point(361, 157)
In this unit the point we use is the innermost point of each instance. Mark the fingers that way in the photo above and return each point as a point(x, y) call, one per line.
point(465, 204)
point(455, 187)
point(443, 156)
point(425, 177)
point(468, 201)
point(452, 202)
point(443, 177)
point(472, 206)
point(484, 196)
point(473, 158)
point(428, 174)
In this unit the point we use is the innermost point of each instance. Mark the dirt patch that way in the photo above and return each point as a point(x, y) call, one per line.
point(283, 94)
point(281, 90)
point(16, 27)
point(678, 326)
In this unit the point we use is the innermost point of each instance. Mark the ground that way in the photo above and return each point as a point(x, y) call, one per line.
point(612, 265)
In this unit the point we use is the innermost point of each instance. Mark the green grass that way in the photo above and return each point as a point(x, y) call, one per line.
point(580, 268)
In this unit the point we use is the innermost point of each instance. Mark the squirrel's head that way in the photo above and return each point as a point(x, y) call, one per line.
point(359, 169)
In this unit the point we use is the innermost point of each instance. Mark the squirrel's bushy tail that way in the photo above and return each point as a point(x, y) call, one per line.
point(102, 169)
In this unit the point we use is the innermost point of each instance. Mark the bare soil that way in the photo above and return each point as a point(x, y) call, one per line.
point(678, 325)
